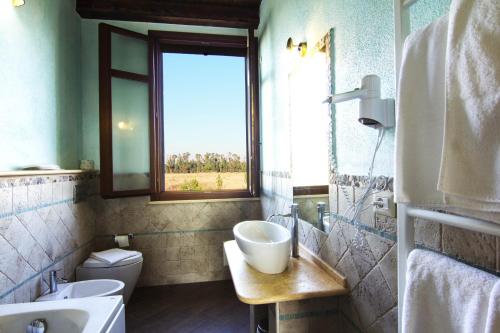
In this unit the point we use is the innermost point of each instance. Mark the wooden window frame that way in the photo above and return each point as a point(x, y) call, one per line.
point(310, 190)
point(178, 42)
point(106, 73)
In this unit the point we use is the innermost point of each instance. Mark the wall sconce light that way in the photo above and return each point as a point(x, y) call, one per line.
point(126, 126)
point(301, 47)
point(17, 3)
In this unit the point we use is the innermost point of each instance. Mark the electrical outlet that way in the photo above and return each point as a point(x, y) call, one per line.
point(383, 203)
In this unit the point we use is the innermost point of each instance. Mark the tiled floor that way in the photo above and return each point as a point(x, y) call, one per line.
point(196, 307)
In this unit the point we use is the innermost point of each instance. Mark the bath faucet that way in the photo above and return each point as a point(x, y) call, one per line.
point(321, 215)
point(53, 281)
point(294, 214)
point(270, 217)
point(294, 211)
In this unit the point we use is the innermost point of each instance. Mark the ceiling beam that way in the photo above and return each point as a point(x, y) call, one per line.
point(222, 14)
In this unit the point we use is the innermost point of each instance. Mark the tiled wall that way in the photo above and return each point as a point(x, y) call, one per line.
point(42, 228)
point(366, 254)
point(181, 242)
point(371, 266)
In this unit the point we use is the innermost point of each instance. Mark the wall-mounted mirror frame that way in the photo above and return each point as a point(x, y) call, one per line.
point(310, 82)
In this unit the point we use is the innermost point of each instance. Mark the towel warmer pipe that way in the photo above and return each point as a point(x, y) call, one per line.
point(406, 239)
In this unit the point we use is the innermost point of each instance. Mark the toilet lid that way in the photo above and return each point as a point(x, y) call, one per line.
point(94, 263)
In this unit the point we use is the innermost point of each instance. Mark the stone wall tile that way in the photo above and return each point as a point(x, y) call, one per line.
point(304, 229)
point(5, 283)
point(348, 269)
point(46, 193)
point(5, 200)
point(366, 216)
point(386, 224)
point(22, 294)
point(20, 198)
point(428, 234)
point(362, 256)
point(34, 195)
point(473, 247)
point(389, 268)
point(353, 321)
point(372, 297)
point(345, 198)
point(334, 247)
point(333, 198)
point(378, 245)
point(57, 191)
point(388, 323)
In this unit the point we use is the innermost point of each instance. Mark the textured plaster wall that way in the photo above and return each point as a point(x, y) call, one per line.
point(364, 44)
point(39, 84)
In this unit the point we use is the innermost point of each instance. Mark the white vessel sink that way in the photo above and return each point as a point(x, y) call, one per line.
point(88, 288)
point(90, 315)
point(265, 245)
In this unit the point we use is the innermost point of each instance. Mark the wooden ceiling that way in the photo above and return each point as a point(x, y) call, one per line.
point(222, 13)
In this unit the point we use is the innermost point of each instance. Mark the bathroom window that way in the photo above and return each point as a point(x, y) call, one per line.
point(178, 115)
point(124, 112)
point(205, 116)
point(204, 122)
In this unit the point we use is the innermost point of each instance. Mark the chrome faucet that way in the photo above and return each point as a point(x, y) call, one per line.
point(294, 214)
point(53, 281)
point(294, 211)
point(321, 216)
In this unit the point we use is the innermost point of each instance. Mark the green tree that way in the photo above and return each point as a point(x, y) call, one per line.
point(219, 182)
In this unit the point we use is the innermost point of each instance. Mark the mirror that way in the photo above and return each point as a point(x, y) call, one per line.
point(310, 134)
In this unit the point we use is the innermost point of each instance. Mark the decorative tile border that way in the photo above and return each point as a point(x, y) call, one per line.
point(12, 181)
point(277, 174)
point(382, 183)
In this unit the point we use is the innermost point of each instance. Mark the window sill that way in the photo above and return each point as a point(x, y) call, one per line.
point(167, 202)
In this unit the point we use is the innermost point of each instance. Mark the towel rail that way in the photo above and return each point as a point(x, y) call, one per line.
point(456, 221)
point(406, 238)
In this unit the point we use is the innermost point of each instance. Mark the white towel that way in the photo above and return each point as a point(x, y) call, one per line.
point(470, 165)
point(444, 295)
point(420, 116)
point(112, 256)
point(420, 122)
point(493, 317)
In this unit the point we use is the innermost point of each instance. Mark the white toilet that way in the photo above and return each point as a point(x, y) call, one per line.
point(126, 270)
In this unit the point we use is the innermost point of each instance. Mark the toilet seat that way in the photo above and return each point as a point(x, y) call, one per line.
point(94, 263)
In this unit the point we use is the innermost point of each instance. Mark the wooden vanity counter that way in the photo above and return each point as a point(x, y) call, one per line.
point(305, 277)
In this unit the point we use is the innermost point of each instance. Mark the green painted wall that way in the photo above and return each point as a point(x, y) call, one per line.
point(364, 44)
point(40, 118)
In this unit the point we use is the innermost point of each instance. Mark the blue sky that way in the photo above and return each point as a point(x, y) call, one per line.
point(204, 104)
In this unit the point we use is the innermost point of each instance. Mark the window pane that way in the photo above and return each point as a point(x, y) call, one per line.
point(204, 122)
point(129, 54)
point(130, 104)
